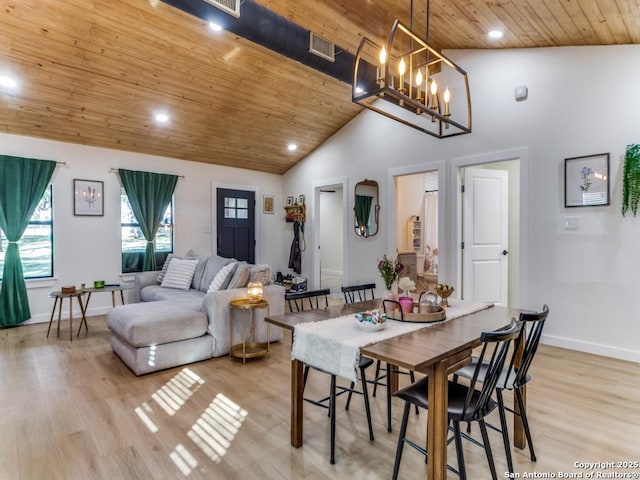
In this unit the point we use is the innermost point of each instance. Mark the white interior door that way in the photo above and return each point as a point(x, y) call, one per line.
point(485, 235)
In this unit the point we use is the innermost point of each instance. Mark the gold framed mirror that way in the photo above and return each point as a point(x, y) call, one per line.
point(366, 208)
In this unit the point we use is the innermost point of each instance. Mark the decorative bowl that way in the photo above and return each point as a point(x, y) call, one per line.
point(371, 321)
point(98, 284)
point(444, 291)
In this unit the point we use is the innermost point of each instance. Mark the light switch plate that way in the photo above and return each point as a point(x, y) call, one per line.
point(570, 223)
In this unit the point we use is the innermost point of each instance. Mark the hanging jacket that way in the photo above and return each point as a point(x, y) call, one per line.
point(295, 255)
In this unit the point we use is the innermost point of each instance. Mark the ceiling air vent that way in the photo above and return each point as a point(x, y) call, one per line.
point(321, 47)
point(232, 7)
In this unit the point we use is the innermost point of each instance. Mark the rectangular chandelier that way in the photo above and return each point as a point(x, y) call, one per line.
point(410, 82)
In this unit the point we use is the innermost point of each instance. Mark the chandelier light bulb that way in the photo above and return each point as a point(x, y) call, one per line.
point(434, 87)
point(447, 96)
point(419, 78)
point(383, 56)
point(402, 67)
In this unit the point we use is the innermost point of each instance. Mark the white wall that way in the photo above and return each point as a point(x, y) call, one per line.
point(331, 231)
point(88, 248)
point(582, 100)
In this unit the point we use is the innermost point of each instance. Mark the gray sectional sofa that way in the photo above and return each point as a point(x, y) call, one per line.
point(168, 327)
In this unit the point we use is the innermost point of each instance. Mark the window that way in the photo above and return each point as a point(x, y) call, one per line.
point(36, 244)
point(236, 208)
point(134, 243)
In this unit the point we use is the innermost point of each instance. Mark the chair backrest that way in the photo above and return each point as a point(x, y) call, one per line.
point(533, 324)
point(491, 361)
point(296, 300)
point(392, 305)
point(358, 293)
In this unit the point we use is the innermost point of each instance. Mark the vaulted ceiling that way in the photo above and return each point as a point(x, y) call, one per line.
point(94, 72)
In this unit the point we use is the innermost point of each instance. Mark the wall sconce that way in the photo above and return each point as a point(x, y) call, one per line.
point(254, 291)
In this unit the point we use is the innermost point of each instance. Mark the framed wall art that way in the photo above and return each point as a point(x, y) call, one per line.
point(267, 204)
point(88, 199)
point(586, 181)
point(289, 201)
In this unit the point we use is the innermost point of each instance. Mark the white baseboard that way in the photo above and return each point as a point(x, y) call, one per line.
point(44, 317)
point(335, 273)
point(589, 347)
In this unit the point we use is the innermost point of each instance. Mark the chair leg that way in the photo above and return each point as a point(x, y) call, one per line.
point(367, 408)
point(332, 413)
point(375, 385)
point(403, 433)
point(505, 431)
point(487, 449)
point(525, 423)
point(389, 398)
point(459, 453)
point(349, 395)
point(412, 376)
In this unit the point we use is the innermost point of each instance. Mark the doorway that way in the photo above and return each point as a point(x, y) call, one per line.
point(490, 228)
point(235, 224)
point(330, 204)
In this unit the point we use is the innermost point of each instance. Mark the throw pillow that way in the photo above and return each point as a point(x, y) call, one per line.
point(212, 266)
point(222, 278)
point(179, 274)
point(260, 273)
point(240, 277)
point(163, 272)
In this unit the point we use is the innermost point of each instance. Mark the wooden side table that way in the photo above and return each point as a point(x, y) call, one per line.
point(59, 297)
point(107, 288)
point(252, 348)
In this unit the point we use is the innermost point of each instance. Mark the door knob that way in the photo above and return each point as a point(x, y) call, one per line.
point(505, 253)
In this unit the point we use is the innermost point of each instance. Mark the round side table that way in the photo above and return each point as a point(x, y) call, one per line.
point(59, 298)
point(248, 348)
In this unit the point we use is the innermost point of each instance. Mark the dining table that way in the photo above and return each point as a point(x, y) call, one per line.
point(437, 350)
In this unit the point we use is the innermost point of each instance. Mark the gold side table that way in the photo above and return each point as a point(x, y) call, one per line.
point(59, 298)
point(249, 348)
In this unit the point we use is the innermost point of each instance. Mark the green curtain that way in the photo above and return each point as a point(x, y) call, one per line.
point(23, 182)
point(149, 195)
point(363, 211)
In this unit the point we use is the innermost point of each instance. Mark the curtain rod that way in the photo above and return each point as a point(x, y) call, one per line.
point(61, 163)
point(115, 170)
point(431, 191)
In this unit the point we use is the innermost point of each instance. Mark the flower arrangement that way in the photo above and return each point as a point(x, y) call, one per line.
point(389, 270)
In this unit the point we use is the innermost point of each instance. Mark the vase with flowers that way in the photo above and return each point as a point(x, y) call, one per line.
point(389, 270)
point(406, 300)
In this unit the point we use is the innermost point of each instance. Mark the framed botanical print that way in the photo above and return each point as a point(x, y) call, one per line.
point(267, 204)
point(88, 199)
point(586, 181)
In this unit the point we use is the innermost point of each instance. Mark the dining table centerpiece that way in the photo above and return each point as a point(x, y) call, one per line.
point(389, 270)
point(406, 300)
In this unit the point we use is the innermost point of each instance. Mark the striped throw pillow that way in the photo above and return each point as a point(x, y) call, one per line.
point(221, 280)
point(179, 274)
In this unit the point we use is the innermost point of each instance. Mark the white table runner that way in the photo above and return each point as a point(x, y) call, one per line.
point(334, 345)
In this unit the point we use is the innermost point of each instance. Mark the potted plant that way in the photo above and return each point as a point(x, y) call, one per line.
point(631, 179)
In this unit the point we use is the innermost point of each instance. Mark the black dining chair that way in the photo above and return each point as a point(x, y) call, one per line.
point(358, 293)
point(298, 301)
point(515, 376)
point(470, 403)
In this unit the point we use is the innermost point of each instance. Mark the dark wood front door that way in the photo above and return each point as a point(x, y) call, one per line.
point(236, 224)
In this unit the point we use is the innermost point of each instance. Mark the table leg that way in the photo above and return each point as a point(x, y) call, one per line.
point(83, 308)
point(437, 421)
point(71, 319)
point(244, 336)
point(113, 298)
point(121, 296)
point(53, 312)
point(59, 316)
point(297, 392)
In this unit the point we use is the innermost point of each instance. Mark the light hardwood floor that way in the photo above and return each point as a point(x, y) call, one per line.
point(74, 411)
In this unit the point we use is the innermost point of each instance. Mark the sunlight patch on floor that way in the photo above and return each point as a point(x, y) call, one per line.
point(173, 394)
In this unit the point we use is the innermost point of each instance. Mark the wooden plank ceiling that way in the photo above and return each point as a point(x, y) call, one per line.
point(94, 72)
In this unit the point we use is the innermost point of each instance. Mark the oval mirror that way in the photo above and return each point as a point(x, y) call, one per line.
point(366, 208)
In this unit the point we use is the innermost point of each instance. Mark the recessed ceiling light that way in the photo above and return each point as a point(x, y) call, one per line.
point(161, 117)
point(292, 147)
point(8, 82)
point(214, 27)
point(495, 34)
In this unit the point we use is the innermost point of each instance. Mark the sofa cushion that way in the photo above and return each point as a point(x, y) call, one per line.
point(222, 278)
point(156, 293)
point(240, 277)
point(179, 274)
point(153, 323)
point(260, 273)
point(212, 266)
